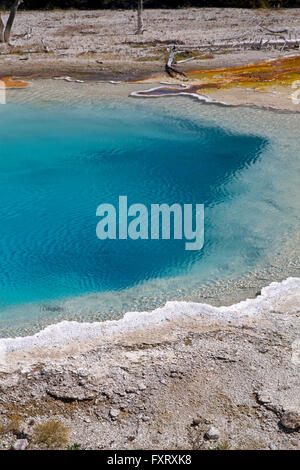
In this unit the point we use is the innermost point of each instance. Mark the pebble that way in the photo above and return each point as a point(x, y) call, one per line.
point(273, 446)
point(114, 413)
point(196, 421)
point(212, 434)
point(82, 373)
point(290, 421)
point(130, 390)
point(20, 444)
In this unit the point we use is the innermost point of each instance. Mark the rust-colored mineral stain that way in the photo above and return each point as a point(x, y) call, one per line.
point(280, 72)
point(12, 82)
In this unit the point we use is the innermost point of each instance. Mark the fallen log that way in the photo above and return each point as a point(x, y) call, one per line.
point(251, 44)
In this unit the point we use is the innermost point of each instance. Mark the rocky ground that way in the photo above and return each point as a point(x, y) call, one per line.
point(189, 383)
point(103, 44)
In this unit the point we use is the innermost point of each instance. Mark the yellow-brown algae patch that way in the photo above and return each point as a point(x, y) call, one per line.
point(266, 84)
point(279, 72)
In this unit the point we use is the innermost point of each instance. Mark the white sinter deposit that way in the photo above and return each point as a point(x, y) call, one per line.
point(277, 297)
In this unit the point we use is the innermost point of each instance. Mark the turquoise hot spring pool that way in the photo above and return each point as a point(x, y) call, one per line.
point(60, 159)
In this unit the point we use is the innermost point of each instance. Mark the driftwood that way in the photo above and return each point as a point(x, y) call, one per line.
point(258, 44)
point(273, 31)
point(174, 73)
point(28, 34)
point(260, 37)
point(185, 60)
point(45, 47)
point(285, 38)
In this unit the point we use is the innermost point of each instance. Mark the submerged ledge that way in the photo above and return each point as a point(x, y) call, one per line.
point(275, 298)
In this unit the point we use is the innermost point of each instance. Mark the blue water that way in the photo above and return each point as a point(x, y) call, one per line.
point(57, 164)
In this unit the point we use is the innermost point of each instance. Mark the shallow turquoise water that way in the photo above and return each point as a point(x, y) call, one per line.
point(58, 163)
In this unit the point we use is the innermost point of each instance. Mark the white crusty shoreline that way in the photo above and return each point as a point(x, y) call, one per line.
point(144, 381)
point(271, 299)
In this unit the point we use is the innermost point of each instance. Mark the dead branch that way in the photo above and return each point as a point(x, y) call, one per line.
point(184, 60)
point(45, 47)
point(273, 31)
point(28, 34)
point(255, 44)
point(169, 65)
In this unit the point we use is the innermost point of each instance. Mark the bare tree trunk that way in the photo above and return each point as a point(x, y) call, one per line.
point(1, 29)
point(12, 14)
point(140, 17)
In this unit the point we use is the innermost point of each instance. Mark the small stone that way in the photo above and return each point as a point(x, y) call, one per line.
point(294, 442)
point(130, 390)
point(142, 387)
point(290, 421)
point(212, 434)
point(263, 350)
point(20, 444)
point(114, 413)
point(23, 431)
point(263, 398)
point(196, 421)
point(273, 446)
point(71, 393)
point(82, 373)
